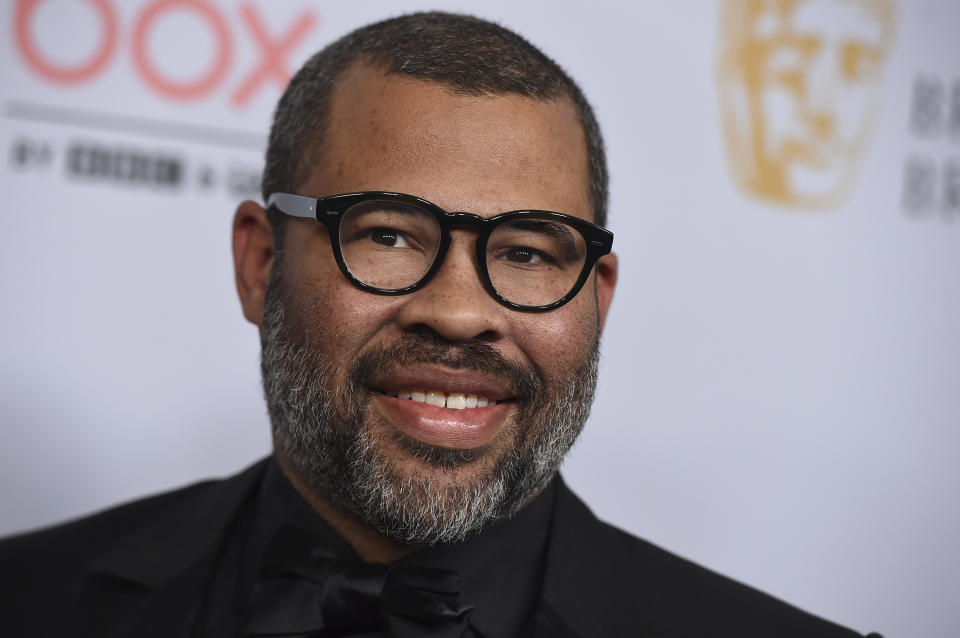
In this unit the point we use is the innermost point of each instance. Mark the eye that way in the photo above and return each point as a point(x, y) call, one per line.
point(388, 237)
point(524, 255)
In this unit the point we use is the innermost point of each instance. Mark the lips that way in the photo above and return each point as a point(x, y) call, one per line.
point(458, 409)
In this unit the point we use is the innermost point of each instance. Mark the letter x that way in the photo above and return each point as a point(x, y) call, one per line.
point(273, 63)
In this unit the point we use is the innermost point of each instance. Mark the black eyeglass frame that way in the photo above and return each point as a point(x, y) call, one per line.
point(330, 210)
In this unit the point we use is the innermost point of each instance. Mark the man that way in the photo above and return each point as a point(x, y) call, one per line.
point(430, 277)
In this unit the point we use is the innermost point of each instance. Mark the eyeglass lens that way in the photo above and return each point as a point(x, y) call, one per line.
point(530, 261)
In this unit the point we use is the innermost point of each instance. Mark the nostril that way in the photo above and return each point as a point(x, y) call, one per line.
point(489, 335)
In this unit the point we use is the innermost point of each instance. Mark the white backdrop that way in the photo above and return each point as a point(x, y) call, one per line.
point(780, 387)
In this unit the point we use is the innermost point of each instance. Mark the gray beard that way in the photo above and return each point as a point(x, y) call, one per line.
point(322, 430)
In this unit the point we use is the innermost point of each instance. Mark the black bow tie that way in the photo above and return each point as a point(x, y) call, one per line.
point(305, 591)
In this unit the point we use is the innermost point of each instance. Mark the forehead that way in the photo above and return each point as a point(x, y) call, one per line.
point(482, 154)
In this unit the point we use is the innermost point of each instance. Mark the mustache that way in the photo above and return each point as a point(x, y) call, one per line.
point(426, 346)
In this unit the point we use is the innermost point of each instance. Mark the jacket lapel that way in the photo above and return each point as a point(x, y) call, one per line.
point(587, 587)
point(154, 578)
point(548, 623)
point(562, 610)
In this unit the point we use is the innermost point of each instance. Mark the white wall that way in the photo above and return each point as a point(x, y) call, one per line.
point(780, 389)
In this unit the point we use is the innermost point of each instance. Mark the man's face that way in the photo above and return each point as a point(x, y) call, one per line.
point(335, 355)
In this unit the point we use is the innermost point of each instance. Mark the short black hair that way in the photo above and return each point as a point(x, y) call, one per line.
point(469, 55)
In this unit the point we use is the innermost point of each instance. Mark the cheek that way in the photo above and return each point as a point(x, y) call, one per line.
point(560, 340)
point(340, 318)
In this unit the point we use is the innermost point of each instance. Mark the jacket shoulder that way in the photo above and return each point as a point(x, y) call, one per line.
point(89, 572)
point(53, 553)
point(617, 584)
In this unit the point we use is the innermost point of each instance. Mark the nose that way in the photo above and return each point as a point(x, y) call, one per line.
point(454, 304)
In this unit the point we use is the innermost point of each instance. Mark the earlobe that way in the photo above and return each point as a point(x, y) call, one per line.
point(606, 282)
point(252, 258)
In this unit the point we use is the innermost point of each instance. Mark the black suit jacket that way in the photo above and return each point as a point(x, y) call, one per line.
point(138, 570)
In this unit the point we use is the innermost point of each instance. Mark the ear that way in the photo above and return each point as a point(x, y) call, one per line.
point(252, 258)
point(606, 282)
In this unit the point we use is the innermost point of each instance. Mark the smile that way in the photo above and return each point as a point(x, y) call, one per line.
point(452, 401)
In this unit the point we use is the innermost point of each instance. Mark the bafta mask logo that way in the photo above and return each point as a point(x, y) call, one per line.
point(799, 84)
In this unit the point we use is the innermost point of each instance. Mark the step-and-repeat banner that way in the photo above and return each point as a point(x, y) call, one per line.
point(780, 387)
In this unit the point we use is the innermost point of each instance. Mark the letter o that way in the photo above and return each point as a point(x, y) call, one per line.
point(190, 89)
point(23, 15)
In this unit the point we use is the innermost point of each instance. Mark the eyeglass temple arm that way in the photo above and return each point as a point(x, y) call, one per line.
point(294, 205)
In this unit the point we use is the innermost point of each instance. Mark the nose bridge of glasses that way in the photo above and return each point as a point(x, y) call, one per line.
point(462, 220)
point(465, 220)
point(471, 221)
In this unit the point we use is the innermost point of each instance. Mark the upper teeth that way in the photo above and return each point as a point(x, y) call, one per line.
point(453, 401)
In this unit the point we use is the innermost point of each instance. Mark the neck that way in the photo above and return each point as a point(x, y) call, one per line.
point(366, 540)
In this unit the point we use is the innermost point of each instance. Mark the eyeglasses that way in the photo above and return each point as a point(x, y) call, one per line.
point(393, 244)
